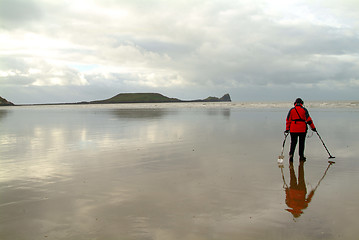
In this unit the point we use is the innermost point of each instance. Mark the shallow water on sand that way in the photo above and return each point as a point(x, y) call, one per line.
point(156, 171)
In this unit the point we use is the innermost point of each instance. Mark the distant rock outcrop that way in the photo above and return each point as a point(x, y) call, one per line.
point(4, 102)
point(225, 98)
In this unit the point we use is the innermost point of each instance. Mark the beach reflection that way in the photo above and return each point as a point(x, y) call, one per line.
point(157, 113)
point(141, 113)
point(296, 197)
point(110, 172)
point(3, 113)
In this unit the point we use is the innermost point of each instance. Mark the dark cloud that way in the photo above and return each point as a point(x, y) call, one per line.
point(17, 13)
point(18, 80)
point(10, 63)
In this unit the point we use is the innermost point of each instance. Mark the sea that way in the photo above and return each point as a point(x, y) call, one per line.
point(170, 171)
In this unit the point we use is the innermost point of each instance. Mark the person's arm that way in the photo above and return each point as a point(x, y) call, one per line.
point(288, 121)
point(309, 120)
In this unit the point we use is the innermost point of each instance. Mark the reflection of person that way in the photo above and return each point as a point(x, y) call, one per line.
point(296, 123)
point(296, 193)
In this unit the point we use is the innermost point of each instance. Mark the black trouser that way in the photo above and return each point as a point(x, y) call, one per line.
point(294, 140)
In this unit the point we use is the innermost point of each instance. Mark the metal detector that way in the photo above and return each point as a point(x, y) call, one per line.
point(330, 156)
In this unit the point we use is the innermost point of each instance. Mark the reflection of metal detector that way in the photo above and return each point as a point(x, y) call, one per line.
point(281, 166)
point(325, 173)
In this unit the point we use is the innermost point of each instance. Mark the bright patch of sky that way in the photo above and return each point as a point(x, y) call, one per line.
point(295, 12)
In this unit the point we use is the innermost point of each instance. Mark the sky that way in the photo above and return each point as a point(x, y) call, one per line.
point(277, 50)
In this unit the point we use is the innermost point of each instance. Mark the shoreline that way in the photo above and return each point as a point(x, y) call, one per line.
point(190, 104)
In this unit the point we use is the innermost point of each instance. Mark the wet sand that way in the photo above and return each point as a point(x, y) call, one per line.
point(162, 172)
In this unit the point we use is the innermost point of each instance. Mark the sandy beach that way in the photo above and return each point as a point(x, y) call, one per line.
point(162, 171)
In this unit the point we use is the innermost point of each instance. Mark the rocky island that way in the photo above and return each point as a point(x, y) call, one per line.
point(134, 98)
point(153, 98)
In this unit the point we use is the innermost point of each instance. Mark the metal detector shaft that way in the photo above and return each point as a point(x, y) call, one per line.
point(286, 135)
point(330, 156)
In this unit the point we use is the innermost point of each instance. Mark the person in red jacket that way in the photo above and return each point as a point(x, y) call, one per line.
point(296, 123)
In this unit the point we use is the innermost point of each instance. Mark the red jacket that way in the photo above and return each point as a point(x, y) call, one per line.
point(298, 118)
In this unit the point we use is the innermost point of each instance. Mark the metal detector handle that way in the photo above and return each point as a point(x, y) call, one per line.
point(285, 137)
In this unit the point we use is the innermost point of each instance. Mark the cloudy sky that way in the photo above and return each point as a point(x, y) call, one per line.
point(256, 50)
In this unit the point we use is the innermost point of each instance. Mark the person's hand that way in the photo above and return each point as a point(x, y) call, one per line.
point(286, 131)
point(314, 130)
